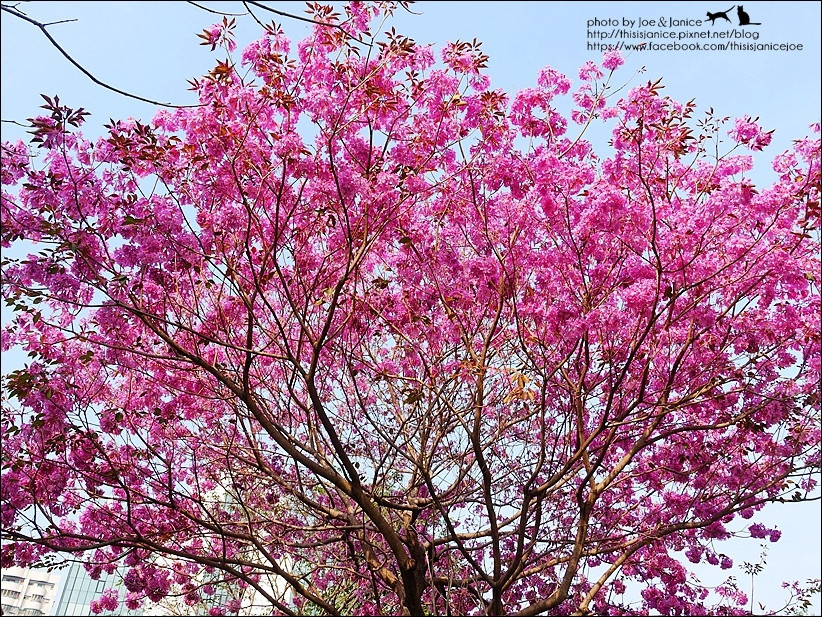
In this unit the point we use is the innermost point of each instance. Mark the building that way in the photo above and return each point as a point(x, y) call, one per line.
point(80, 589)
point(28, 591)
point(71, 590)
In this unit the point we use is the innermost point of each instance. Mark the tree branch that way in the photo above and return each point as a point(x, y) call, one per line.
point(44, 29)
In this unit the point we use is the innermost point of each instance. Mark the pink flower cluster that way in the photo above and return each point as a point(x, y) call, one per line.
point(399, 340)
point(746, 131)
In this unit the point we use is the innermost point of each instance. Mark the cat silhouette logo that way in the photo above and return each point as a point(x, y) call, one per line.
point(720, 15)
point(744, 18)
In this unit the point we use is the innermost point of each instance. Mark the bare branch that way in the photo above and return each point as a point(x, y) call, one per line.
point(44, 29)
point(214, 12)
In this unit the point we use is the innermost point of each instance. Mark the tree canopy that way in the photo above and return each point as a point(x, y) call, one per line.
point(405, 342)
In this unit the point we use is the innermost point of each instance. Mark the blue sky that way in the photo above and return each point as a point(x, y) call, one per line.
point(150, 48)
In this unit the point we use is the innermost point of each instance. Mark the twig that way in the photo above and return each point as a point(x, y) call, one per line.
point(43, 28)
point(260, 5)
point(208, 10)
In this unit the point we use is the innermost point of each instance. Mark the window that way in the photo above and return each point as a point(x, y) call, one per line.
point(8, 578)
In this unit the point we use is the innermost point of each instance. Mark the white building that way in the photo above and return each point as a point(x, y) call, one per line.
point(28, 591)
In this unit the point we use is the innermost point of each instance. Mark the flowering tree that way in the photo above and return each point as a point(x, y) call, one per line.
point(363, 324)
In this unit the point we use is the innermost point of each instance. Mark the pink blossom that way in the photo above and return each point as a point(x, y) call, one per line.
point(553, 81)
point(612, 60)
point(694, 554)
point(749, 133)
point(358, 308)
point(133, 601)
point(109, 600)
point(589, 71)
point(232, 606)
